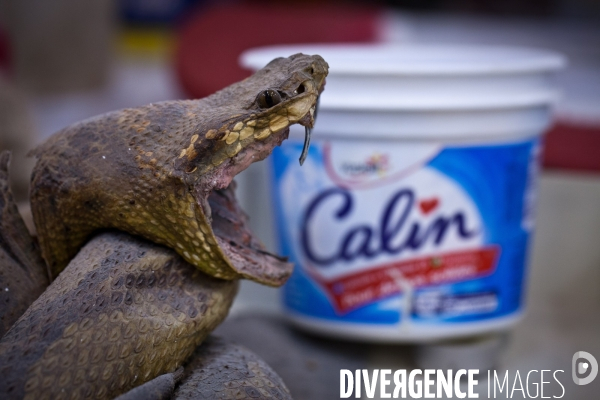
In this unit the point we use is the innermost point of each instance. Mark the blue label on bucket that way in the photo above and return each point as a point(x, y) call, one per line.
point(388, 233)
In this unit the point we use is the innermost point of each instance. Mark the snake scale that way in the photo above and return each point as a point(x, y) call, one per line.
point(144, 243)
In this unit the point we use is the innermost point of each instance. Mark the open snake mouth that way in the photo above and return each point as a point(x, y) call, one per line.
point(229, 223)
point(246, 253)
point(247, 256)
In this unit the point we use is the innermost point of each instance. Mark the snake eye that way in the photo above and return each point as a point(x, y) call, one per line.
point(268, 98)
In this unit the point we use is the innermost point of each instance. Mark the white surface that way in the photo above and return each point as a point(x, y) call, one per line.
point(470, 125)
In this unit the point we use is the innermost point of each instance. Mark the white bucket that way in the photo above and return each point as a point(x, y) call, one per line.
point(412, 215)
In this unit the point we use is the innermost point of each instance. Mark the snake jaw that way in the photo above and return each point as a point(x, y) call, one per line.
point(237, 252)
point(244, 254)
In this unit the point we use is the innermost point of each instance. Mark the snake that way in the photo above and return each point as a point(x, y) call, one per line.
point(141, 245)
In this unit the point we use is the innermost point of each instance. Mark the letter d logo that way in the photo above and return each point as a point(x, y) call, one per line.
point(583, 366)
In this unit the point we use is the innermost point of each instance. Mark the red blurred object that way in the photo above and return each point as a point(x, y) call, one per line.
point(5, 59)
point(574, 146)
point(212, 39)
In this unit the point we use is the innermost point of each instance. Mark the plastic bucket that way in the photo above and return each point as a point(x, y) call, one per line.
point(412, 217)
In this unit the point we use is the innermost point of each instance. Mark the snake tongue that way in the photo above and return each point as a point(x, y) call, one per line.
point(312, 116)
point(304, 154)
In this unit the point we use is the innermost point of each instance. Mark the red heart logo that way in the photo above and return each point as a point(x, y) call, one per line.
point(428, 205)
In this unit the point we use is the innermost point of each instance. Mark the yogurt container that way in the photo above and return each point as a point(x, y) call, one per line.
point(412, 217)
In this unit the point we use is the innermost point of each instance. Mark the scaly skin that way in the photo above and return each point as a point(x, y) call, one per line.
point(160, 388)
point(123, 310)
point(23, 274)
point(222, 370)
point(122, 313)
point(149, 171)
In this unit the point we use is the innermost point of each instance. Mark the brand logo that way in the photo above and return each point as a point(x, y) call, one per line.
point(375, 164)
point(398, 229)
point(363, 245)
point(584, 364)
point(364, 167)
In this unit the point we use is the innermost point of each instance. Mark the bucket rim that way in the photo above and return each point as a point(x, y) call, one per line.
point(414, 59)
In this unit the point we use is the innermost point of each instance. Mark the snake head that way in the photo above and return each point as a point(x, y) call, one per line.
point(283, 93)
point(251, 118)
point(164, 171)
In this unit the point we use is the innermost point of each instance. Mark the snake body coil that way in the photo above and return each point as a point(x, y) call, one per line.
point(123, 312)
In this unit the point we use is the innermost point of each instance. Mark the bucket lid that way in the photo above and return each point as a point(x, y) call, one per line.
point(389, 77)
point(413, 59)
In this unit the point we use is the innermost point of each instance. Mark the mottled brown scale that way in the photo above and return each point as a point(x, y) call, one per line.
point(150, 170)
point(222, 370)
point(123, 312)
point(160, 388)
point(23, 274)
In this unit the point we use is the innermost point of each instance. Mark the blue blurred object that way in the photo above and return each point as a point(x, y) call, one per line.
point(155, 11)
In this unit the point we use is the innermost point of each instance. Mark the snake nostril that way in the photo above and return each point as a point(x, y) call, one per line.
point(300, 89)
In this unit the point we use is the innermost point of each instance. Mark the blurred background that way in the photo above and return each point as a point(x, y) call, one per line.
point(67, 60)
